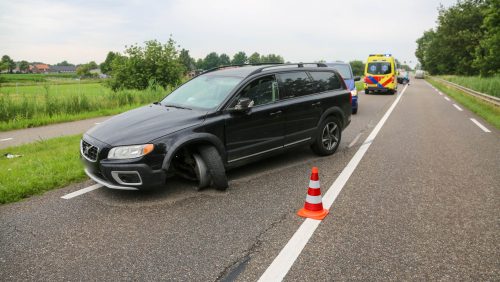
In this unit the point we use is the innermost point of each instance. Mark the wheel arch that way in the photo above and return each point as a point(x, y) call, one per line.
point(192, 142)
point(335, 112)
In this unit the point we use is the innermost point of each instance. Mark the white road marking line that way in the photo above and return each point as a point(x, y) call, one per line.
point(354, 140)
point(447, 99)
point(480, 125)
point(97, 123)
point(458, 108)
point(5, 139)
point(286, 258)
point(440, 93)
point(81, 191)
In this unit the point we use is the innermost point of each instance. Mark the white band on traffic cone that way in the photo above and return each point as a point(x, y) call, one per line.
point(313, 199)
point(313, 183)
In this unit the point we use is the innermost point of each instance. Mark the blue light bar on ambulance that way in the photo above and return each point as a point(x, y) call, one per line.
point(381, 55)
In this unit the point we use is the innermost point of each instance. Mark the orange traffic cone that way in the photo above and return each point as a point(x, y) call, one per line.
point(313, 207)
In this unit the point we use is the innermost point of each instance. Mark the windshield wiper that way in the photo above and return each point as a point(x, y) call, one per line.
point(177, 107)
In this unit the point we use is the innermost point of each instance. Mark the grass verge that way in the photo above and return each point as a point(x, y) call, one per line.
point(483, 109)
point(36, 105)
point(359, 85)
point(46, 120)
point(486, 85)
point(44, 165)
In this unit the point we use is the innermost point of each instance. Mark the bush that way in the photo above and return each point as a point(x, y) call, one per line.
point(140, 66)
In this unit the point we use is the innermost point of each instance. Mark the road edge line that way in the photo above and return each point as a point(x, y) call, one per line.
point(291, 251)
point(457, 107)
point(484, 128)
point(81, 191)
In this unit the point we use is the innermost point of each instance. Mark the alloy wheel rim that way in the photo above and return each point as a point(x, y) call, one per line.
point(330, 136)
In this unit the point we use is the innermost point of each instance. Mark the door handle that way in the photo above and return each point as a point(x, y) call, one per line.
point(316, 104)
point(275, 113)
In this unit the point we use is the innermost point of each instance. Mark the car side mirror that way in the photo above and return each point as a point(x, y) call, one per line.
point(243, 105)
point(357, 78)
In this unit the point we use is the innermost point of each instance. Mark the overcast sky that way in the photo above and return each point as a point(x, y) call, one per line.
point(300, 31)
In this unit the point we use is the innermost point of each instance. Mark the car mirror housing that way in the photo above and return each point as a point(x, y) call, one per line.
point(243, 105)
point(357, 78)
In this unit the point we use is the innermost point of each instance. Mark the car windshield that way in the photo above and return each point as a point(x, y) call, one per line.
point(344, 70)
point(203, 92)
point(379, 68)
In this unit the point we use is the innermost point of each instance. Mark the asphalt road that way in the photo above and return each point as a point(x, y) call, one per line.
point(29, 135)
point(422, 204)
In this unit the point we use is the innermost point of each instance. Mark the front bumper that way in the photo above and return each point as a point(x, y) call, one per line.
point(108, 174)
point(106, 183)
point(132, 174)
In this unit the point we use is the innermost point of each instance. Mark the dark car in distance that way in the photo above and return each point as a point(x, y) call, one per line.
point(345, 71)
point(223, 118)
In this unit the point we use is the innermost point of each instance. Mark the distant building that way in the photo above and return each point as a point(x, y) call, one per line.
point(39, 68)
point(62, 69)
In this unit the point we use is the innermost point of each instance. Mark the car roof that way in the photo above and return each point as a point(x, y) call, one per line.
point(337, 63)
point(243, 71)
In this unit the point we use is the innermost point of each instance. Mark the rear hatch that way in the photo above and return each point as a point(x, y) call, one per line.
point(379, 74)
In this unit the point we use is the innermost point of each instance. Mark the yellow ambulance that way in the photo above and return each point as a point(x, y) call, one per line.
point(381, 74)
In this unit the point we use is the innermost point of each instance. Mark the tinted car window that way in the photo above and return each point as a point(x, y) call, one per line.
point(344, 70)
point(261, 91)
point(296, 84)
point(379, 68)
point(203, 92)
point(326, 81)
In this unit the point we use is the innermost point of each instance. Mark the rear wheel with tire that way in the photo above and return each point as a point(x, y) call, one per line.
point(215, 166)
point(367, 91)
point(328, 137)
point(355, 111)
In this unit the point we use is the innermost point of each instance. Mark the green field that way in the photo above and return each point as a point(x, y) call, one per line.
point(486, 85)
point(29, 78)
point(46, 103)
point(483, 109)
point(359, 85)
point(44, 165)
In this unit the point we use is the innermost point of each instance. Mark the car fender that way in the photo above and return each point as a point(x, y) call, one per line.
point(335, 111)
point(198, 137)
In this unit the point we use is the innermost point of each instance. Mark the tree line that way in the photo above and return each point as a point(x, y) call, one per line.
point(466, 40)
point(155, 63)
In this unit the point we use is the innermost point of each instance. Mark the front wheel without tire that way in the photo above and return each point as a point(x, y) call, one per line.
point(215, 166)
point(328, 137)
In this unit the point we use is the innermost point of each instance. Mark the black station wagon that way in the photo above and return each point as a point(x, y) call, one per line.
point(223, 118)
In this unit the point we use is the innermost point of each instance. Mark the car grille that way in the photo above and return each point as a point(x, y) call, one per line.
point(89, 151)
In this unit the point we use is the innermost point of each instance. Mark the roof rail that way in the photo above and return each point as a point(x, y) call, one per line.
point(239, 65)
point(299, 65)
point(265, 66)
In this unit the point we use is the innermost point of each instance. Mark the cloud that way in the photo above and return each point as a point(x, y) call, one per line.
point(80, 31)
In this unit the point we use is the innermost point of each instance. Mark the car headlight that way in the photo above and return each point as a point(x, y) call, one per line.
point(354, 92)
point(129, 152)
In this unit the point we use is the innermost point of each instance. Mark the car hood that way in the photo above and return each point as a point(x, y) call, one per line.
point(145, 124)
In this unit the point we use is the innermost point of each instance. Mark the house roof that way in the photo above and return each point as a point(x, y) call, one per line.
point(62, 68)
point(41, 66)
